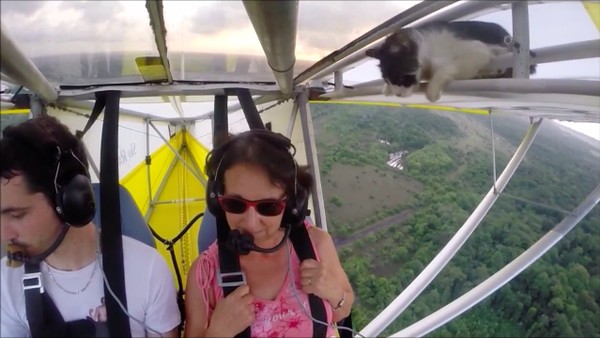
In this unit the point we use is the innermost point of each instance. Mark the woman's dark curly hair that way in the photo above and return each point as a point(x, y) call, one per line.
point(271, 151)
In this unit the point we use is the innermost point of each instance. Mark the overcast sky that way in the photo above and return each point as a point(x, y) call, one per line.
point(55, 27)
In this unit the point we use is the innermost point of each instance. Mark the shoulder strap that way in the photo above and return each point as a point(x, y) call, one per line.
point(230, 274)
point(304, 249)
point(33, 289)
point(110, 214)
point(42, 314)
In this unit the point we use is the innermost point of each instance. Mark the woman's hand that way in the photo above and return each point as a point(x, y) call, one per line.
point(316, 279)
point(232, 314)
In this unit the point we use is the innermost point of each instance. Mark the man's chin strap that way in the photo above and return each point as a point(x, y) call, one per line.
point(16, 255)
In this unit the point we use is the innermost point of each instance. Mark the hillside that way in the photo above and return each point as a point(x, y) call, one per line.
point(389, 223)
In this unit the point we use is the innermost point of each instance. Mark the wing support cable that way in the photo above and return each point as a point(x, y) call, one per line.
point(398, 305)
point(505, 275)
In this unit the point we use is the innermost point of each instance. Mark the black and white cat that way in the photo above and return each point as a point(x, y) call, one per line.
point(440, 52)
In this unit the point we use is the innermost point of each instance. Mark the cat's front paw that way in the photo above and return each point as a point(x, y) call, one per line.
point(433, 94)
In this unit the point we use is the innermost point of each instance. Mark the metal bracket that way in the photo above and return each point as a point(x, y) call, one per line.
point(228, 279)
point(32, 281)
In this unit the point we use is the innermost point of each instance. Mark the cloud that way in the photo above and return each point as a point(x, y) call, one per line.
point(214, 18)
point(325, 26)
point(99, 12)
point(21, 8)
point(55, 27)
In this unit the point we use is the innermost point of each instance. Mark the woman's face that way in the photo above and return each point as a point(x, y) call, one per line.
point(250, 182)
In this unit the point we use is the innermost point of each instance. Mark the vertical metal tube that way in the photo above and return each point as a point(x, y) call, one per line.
point(520, 18)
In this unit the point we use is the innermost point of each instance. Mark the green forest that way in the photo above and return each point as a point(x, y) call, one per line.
point(389, 223)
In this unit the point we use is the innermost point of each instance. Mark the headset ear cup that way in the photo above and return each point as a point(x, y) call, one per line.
point(212, 199)
point(75, 202)
point(296, 208)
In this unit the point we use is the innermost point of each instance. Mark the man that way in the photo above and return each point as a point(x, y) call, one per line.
point(42, 166)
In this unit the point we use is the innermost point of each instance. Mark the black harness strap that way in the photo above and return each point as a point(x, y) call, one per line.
point(42, 314)
point(304, 249)
point(33, 289)
point(98, 107)
point(110, 213)
point(231, 275)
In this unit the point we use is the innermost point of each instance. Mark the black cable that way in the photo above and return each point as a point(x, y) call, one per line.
point(169, 244)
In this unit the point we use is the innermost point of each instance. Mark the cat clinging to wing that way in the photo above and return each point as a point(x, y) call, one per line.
point(440, 52)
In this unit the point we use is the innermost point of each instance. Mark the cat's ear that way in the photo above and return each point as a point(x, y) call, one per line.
point(373, 52)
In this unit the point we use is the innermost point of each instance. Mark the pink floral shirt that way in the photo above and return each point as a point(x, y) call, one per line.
point(281, 317)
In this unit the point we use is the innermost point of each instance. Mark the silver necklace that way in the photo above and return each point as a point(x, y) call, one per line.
point(82, 289)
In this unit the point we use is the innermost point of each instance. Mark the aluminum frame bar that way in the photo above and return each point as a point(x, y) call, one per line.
point(503, 276)
point(153, 90)
point(310, 144)
point(565, 52)
point(157, 22)
point(18, 67)
point(292, 120)
point(237, 106)
point(148, 162)
point(176, 153)
point(398, 305)
point(163, 182)
point(275, 23)
point(183, 200)
point(520, 20)
point(517, 86)
point(89, 105)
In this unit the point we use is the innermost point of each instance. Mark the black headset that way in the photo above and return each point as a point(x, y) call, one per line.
point(296, 207)
point(74, 201)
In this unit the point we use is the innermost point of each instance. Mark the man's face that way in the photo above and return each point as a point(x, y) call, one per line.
point(26, 219)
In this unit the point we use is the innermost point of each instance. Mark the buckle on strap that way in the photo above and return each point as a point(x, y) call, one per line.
point(32, 280)
point(229, 279)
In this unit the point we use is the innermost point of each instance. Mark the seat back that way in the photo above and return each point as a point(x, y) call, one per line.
point(208, 231)
point(133, 223)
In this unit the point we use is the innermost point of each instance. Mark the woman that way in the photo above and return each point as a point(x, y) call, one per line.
point(257, 182)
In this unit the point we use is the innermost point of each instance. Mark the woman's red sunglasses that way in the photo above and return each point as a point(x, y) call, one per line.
point(238, 205)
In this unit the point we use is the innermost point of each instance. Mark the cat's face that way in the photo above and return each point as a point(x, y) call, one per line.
point(399, 63)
